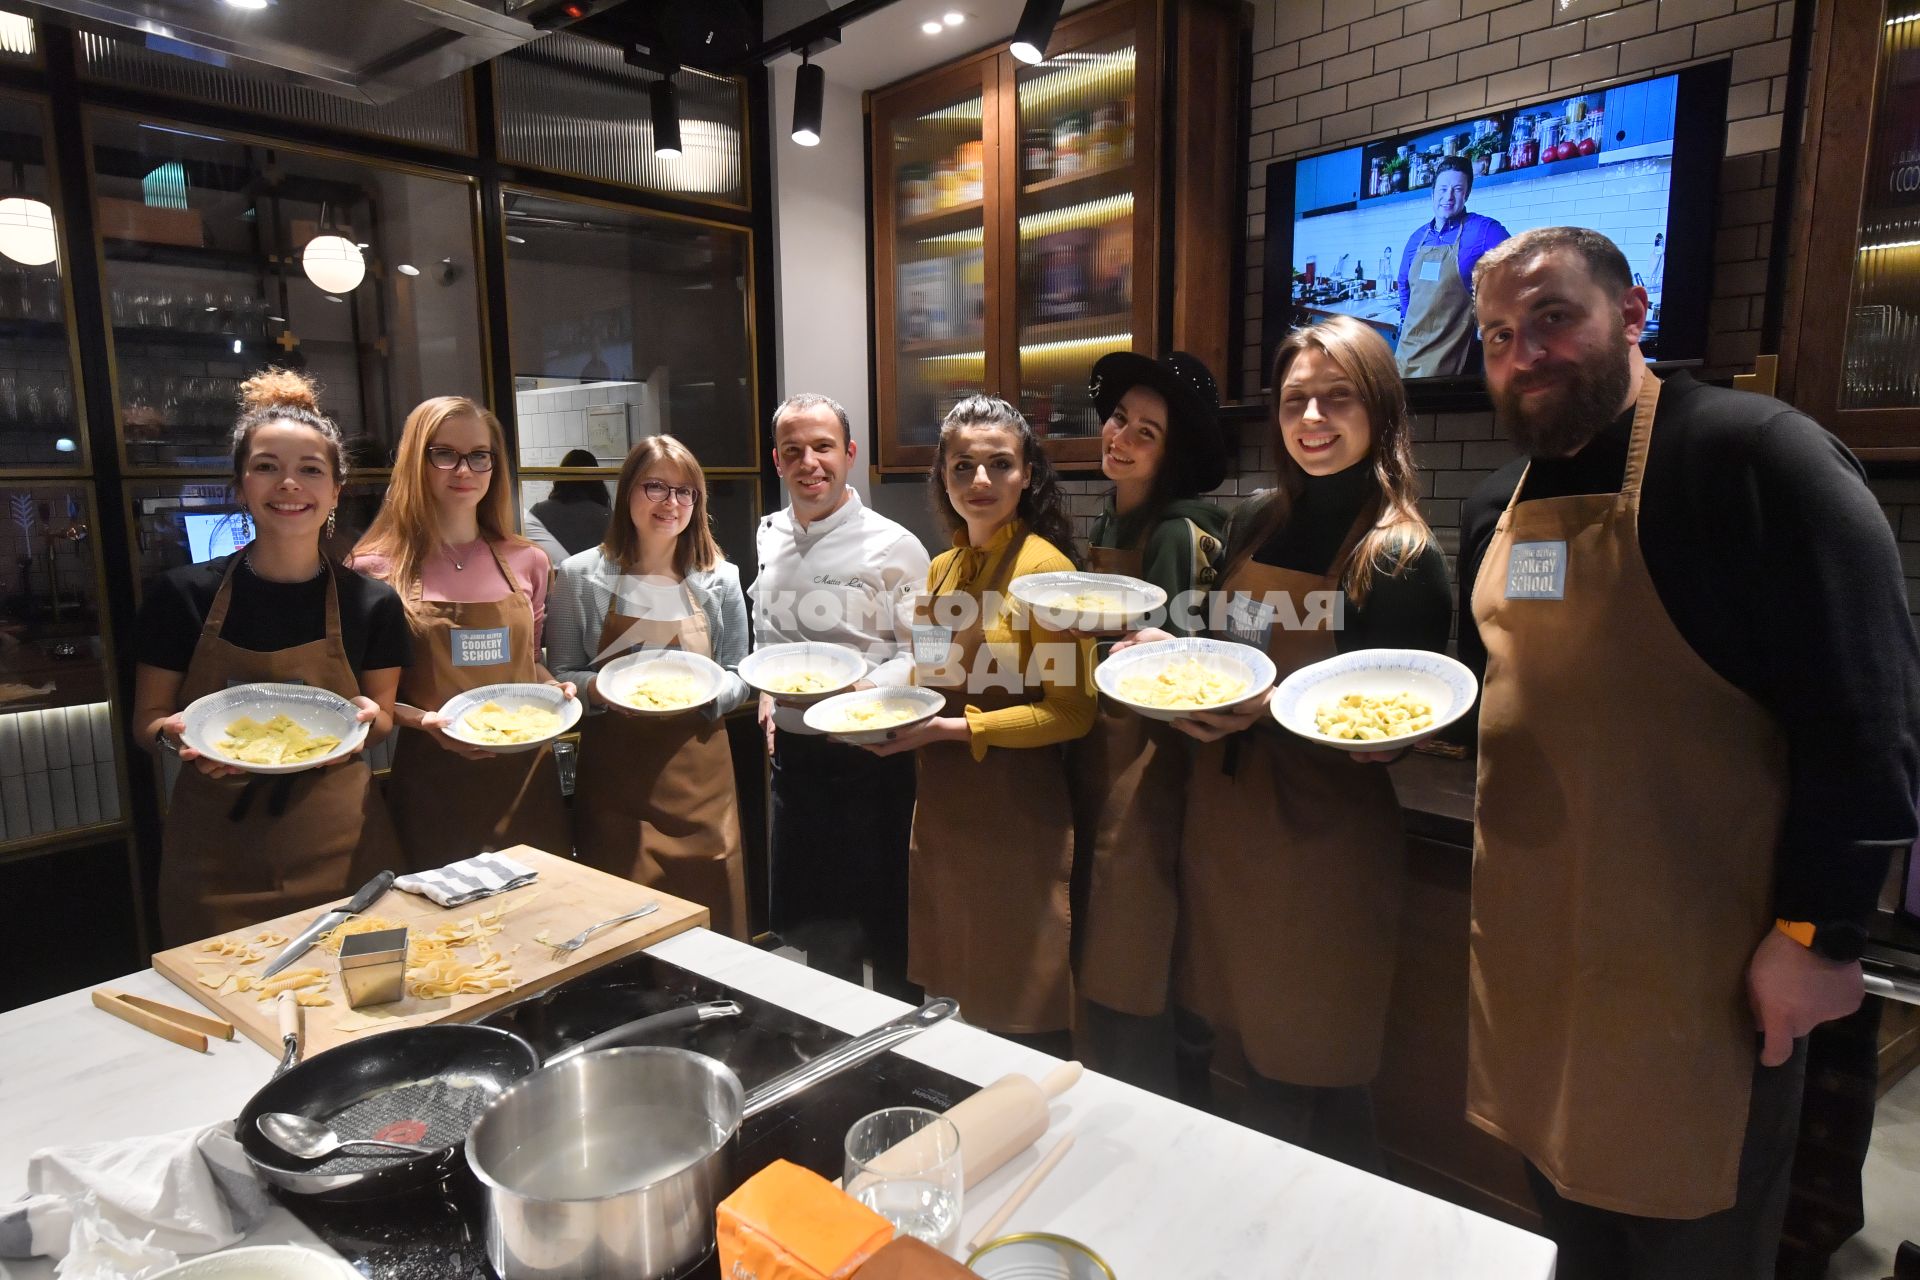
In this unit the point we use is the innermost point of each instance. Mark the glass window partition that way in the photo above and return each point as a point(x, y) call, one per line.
point(58, 745)
point(627, 324)
point(39, 410)
point(225, 255)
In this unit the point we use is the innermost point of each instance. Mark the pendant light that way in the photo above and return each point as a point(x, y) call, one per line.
point(664, 103)
point(1035, 32)
point(26, 226)
point(809, 101)
point(333, 262)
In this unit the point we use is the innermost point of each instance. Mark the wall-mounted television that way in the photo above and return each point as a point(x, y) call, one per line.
point(1389, 230)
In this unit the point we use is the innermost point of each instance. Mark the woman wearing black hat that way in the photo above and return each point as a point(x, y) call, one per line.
point(1162, 446)
point(1292, 861)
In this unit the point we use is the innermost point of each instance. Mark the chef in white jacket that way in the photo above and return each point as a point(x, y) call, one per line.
point(833, 570)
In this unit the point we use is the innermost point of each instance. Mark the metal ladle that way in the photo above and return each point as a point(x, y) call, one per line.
point(312, 1140)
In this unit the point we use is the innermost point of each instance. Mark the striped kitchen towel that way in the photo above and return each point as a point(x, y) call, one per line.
point(468, 880)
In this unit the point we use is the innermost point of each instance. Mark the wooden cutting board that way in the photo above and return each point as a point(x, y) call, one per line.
point(565, 899)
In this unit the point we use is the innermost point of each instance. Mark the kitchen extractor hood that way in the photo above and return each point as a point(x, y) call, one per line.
point(368, 50)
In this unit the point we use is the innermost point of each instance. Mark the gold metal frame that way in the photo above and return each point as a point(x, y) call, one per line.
point(749, 299)
point(746, 160)
point(82, 436)
point(86, 125)
point(108, 661)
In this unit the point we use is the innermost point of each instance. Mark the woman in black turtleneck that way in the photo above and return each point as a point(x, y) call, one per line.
point(1292, 857)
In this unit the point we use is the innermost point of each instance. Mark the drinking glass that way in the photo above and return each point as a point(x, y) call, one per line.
point(904, 1164)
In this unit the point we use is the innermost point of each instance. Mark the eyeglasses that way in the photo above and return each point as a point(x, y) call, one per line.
point(445, 458)
point(659, 491)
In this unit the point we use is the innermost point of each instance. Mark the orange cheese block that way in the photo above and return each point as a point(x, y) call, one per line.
point(789, 1223)
point(910, 1259)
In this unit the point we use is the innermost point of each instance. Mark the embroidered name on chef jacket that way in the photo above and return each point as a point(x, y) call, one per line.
point(479, 646)
point(1250, 621)
point(1537, 571)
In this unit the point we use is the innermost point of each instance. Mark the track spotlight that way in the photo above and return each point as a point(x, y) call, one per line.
point(1031, 37)
point(809, 102)
point(664, 102)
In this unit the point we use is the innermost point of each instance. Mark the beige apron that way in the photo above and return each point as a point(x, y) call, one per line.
point(1629, 810)
point(654, 796)
point(1438, 331)
point(1129, 779)
point(239, 850)
point(992, 852)
point(445, 806)
point(1292, 867)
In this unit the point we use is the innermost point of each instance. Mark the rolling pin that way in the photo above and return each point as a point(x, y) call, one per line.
point(995, 1124)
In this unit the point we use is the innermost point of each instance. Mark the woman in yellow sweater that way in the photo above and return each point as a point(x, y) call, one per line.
point(992, 854)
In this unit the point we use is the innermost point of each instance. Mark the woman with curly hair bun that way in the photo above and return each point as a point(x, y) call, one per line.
point(239, 849)
point(992, 844)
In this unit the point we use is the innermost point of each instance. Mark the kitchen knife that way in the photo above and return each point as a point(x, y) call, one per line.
point(368, 895)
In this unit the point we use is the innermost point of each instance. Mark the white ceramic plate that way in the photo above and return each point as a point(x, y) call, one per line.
point(511, 697)
point(766, 667)
point(262, 1262)
point(824, 716)
point(318, 711)
point(1445, 685)
point(1235, 661)
point(1051, 597)
point(618, 676)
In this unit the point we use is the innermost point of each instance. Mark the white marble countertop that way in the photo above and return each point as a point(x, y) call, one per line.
point(1164, 1192)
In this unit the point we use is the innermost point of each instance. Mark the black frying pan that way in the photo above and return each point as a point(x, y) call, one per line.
point(425, 1085)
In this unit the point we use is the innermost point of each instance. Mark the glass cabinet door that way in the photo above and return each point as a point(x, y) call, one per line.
point(58, 744)
point(1881, 365)
point(224, 255)
point(1083, 162)
point(39, 411)
point(933, 150)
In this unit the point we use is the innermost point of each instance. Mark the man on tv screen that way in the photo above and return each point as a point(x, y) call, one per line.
point(1436, 278)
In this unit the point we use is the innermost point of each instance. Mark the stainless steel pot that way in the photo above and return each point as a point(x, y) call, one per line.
point(612, 1163)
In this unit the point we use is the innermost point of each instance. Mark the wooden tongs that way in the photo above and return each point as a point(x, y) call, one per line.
point(178, 1025)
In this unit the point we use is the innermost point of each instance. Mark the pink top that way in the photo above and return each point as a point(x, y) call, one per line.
point(478, 581)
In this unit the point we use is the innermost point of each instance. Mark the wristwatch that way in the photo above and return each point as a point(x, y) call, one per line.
point(164, 743)
point(1840, 940)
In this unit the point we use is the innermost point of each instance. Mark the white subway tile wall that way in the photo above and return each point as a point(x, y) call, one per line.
point(555, 419)
point(56, 770)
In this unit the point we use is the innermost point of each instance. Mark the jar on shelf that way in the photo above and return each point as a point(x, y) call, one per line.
point(1108, 136)
point(1070, 144)
point(916, 191)
point(1036, 156)
point(971, 161)
point(946, 184)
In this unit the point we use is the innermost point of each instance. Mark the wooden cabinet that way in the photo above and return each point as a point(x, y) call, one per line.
point(1028, 219)
point(1851, 348)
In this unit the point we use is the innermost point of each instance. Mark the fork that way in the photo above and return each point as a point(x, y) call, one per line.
point(579, 939)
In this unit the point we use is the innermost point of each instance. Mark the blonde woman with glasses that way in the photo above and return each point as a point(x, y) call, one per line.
point(654, 797)
point(475, 594)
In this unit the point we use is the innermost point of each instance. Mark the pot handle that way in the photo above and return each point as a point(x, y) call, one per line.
point(629, 1032)
point(850, 1053)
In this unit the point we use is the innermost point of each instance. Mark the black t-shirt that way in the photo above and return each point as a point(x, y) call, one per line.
point(269, 616)
point(1409, 610)
point(1777, 567)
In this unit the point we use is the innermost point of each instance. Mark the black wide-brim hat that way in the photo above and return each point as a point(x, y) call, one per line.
point(1193, 404)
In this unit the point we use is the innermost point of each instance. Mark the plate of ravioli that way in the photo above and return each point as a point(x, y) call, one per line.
point(1375, 699)
point(273, 728)
point(506, 718)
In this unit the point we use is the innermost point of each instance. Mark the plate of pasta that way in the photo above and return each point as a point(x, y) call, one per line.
point(803, 672)
point(867, 716)
point(506, 718)
point(1170, 679)
point(1091, 602)
point(273, 728)
point(1375, 699)
point(661, 682)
